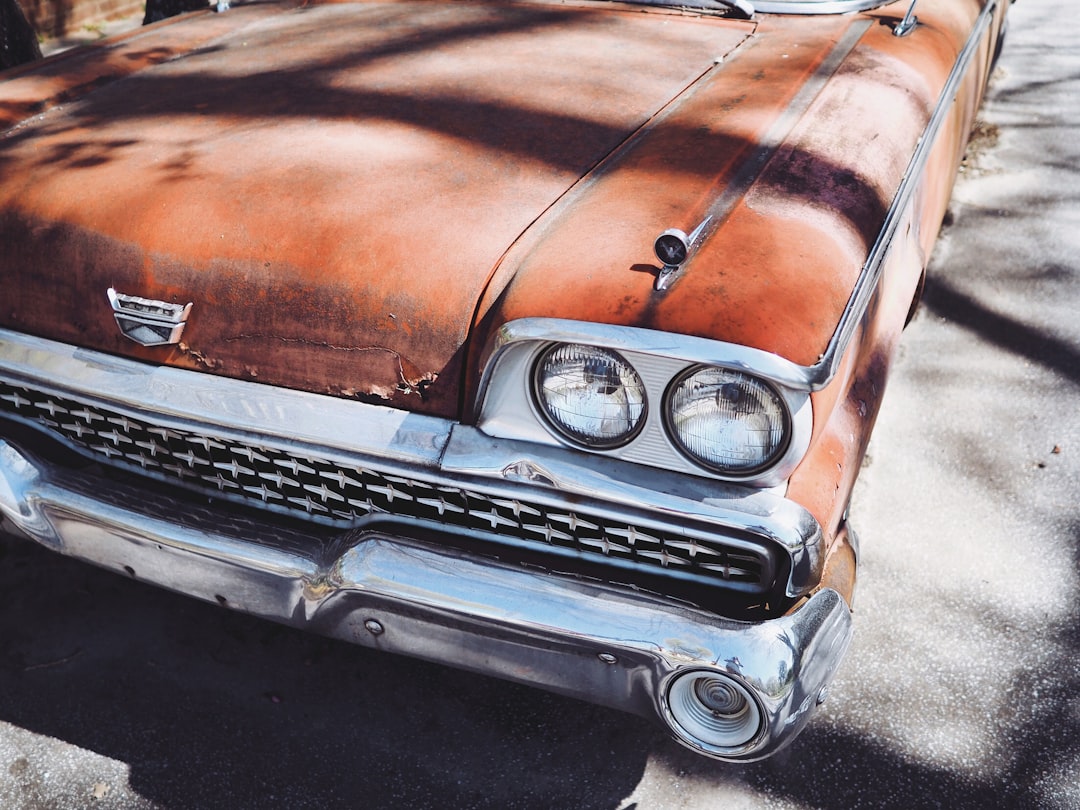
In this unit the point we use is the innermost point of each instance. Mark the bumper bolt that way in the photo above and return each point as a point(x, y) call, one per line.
point(373, 627)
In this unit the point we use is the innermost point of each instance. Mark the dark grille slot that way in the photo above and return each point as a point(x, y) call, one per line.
point(323, 491)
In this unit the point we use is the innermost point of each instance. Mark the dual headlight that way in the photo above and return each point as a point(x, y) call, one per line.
point(726, 421)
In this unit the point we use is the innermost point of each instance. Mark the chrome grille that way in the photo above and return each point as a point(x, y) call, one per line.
point(335, 494)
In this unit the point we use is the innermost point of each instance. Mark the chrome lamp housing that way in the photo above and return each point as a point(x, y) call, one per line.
point(683, 404)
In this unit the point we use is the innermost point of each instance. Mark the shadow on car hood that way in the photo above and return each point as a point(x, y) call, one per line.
point(330, 186)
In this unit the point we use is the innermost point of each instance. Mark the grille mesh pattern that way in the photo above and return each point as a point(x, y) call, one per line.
point(331, 494)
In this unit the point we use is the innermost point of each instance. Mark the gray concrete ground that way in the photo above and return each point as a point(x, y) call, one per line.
point(962, 687)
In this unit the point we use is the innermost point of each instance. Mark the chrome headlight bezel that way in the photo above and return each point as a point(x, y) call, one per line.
point(507, 408)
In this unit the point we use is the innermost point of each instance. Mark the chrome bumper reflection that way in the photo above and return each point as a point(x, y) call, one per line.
point(576, 638)
point(344, 464)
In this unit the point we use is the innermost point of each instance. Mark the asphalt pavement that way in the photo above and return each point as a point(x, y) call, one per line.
point(962, 686)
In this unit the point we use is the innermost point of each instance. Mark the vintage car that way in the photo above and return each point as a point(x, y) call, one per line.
point(541, 339)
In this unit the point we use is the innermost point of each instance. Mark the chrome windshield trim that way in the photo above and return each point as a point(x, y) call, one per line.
point(816, 6)
point(735, 9)
point(819, 374)
point(748, 9)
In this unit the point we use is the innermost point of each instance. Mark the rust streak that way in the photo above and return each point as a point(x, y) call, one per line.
point(410, 381)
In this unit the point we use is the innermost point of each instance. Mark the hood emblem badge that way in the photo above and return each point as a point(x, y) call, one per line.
point(147, 322)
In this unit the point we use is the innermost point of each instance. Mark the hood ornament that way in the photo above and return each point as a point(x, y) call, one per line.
point(147, 322)
point(673, 248)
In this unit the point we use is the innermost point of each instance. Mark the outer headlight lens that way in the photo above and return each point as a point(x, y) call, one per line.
point(726, 420)
point(590, 395)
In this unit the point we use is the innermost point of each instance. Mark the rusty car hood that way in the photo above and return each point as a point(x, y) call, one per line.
point(347, 192)
point(331, 186)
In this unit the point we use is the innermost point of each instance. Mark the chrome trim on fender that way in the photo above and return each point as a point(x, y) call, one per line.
point(819, 374)
point(507, 409)
point(582, 639)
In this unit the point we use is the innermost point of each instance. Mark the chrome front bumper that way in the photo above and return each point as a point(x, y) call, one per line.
point(609, 646)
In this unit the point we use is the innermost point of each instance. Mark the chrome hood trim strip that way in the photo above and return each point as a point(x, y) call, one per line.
point(721, 207)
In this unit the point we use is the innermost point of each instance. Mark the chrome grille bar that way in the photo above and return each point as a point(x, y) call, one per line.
point(331, 493)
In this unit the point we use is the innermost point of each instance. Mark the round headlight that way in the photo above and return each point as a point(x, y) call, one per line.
point(713, 711)
point(726, 420)
point(592, 396)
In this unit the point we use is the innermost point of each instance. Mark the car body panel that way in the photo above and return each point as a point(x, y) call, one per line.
point(781, 265)
point(382, 213)
point(307, 201)
point(209, 161)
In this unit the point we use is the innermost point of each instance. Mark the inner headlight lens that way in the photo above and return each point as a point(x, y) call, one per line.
point(590, 395)
point(726, 420)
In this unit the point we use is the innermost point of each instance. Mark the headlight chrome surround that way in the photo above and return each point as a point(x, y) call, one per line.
point(706, 404)
point(507, 406)
point(590, 395)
